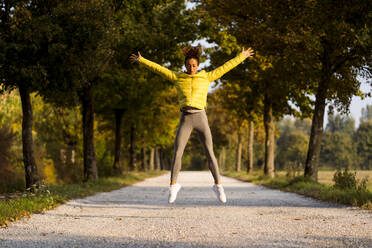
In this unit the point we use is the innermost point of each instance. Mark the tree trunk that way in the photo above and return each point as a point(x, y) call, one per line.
point(161, 161)
point(69, 162)
point(31, 173)
point(222, 158)
point(70, 156)
point(250, 146)
point(164, 161)
point(312, 160)
point(238, 161)
point(132, 150)
point(157, 159)
point(167, 161)
point(118, 120)
point(269, 137)
point(143, 159)
point(152, 157)
point(90, 165)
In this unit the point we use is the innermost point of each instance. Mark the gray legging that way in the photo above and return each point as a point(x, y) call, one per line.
point(189, 121)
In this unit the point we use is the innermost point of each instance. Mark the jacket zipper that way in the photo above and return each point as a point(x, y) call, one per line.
point(192, 78)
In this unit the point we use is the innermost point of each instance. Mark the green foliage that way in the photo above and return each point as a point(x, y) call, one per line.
point(338, 150)
point(292, 145)
point(81, 46)
point(292, 150)
point(363, 142)
point(344, 124)
point(24, 33)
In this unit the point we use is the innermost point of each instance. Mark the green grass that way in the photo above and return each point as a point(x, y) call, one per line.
point(51, 196)
point(300, 185)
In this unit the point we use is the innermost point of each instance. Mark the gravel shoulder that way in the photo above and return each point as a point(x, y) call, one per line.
point(139, 216)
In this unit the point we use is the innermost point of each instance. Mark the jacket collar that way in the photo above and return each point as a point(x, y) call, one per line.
point(198, 73)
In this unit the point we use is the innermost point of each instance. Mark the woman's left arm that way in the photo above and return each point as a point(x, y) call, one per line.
point(220, 71)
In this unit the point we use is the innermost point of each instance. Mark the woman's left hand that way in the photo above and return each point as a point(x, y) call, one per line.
point(248, 53)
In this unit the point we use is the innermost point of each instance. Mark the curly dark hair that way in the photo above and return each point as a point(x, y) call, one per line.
point(191, 52)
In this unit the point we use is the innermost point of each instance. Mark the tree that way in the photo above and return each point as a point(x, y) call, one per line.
point(366, 114)
point(337, 150)
point(277, 77)
point(343, 124)
point(363, 140)
point(84, 33)
point(292, 143)
point(292, 148)
point(338, 41)
point(24, 34)
point(58, 129)
point(157, 29)
point(316, 47)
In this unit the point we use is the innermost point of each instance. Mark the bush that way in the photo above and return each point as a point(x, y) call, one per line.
point(347, 180)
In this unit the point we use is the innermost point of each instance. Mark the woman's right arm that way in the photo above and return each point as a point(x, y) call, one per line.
point(161, 70)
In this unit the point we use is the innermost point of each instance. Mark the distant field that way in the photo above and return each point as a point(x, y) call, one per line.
point(326, 177)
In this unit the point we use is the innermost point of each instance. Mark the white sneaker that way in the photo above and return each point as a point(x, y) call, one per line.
point(173, 190)
point(220, 193)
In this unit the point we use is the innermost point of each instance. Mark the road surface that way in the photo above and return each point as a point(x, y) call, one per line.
point(139, 216)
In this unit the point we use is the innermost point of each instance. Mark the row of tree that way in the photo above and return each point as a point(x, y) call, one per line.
point(343, 145)
point(75, 54)
point(303, 49)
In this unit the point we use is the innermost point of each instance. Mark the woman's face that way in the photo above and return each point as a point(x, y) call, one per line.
point(191, 66)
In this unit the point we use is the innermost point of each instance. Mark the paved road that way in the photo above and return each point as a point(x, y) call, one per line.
point(139, 216)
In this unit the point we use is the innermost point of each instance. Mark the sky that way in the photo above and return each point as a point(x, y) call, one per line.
point(356, 104)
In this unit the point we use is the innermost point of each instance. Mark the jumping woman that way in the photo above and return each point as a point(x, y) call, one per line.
point(192, 87)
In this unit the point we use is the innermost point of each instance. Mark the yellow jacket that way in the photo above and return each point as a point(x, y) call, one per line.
point(193, 89)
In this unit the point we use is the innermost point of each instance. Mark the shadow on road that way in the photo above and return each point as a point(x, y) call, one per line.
point(156, 197)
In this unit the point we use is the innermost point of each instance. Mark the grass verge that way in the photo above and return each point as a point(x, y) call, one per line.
point(49, 197)
point(307, 187)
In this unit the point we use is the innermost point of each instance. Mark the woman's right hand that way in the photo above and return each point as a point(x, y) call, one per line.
point(133, 58)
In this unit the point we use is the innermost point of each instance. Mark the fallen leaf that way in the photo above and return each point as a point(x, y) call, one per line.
point(193, 227)
point(308, 233)
point(297, 219)
point(43, 234)
point(234, 233)
point(119, 218)
point(76, 218)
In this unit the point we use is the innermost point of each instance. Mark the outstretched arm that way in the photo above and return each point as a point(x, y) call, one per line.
point(220, 71)
point(161, 70)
